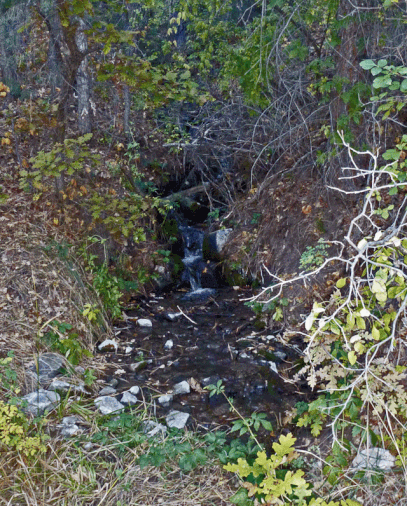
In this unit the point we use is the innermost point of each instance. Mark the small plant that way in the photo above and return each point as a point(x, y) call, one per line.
point(314, 256)
point(14, 429)
point(8, 377)
point(61, 338)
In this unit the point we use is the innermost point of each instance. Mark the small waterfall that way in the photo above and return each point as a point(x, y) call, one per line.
point(194, 262)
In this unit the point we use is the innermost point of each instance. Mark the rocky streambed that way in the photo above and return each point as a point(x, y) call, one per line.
point(171, 348)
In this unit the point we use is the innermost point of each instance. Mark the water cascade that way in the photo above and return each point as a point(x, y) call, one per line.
point(194, 262)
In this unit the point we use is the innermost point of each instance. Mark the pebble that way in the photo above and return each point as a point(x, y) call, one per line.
point(128, 349)
point(181, 388)
point(107, 405)
point(107, 391)
point(108, 345)
point(172, 317)
point(128, 399)
point(135, 390)
point(169, 344)
point(165, 400)
point(177, 419)
point(144, 322)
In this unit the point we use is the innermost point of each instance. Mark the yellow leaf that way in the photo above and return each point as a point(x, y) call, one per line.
point(341, 283)
point(375, 333)
point(352, 357)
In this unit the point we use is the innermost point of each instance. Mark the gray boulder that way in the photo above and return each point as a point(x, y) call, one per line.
point(39, 402)
point(177, 419)
point(374, 458)
point(107, 405)
point(46, 367)
point(214, 243)
point(181, 388)
point(128, 399)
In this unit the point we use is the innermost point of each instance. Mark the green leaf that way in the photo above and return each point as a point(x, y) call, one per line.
point(382, 82)
point(403, 86)
point(241, 498)
point(382, 63)
point(367, 64)
point(352, 357)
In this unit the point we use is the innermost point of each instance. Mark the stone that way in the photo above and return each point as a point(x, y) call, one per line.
point(107, 391)
point(152, 429)
point(214, 243)
point(70, 430)
point(374, 458)
point(88, 447)
point(135, 390)
point(165, 400)
point(107, 405)
point(273, 366)
point(168, 344)
point(46, 367)
point(172, 317)
point(280, 354)
point(144, 322)
point(181, 388)
point(65, 386)
point(128, 350)
point(138, 366)
point(108, 345)
point(40, 401)
point(128, 399)
point(177, 419)
point(70, 420)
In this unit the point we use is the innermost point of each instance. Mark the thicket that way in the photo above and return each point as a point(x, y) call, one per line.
point(232, 94)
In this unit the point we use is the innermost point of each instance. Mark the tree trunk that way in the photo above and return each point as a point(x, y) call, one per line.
point(127, 105)
point(83, 83)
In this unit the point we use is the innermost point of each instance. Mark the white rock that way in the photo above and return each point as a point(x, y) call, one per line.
point(168, 344)
point(108, 345)
point(144, 322)
point(172, 316)
point(128, 399)
point(128, 350)
point(165, 400)
point(177, 419)
point(375, 458)
point(107, 405)
point(135, 390)
point(181, 388)
point(64, 386)
point(273, 367)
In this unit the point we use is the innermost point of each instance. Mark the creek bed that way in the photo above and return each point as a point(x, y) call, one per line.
point(215, 339)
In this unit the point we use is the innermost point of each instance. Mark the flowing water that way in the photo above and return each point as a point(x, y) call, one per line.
point(203, 336)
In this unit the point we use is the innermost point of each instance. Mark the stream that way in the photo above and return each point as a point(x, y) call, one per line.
point(201, 336)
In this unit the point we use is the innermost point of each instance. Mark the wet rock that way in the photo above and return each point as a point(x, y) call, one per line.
point(134, 390)
point(108, 345)
point(144, 322)
point(107, 391)
point(46, 367)
point(181, 388)
point(172, 317)
point(107, 405)
point(138, 366)
point(168, 344)
point(214, 243)
point(165, 400)
point(153, 429)
point(128, 399)
point(65, 386)
point(280, 354)
point(374, 458)
point(40, 402)
point(177, 419)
